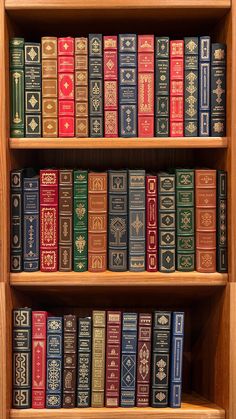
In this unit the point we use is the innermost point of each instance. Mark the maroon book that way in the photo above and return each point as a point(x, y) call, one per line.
point(39, 337)
point(144, 359)
point(113, 351)
point(151, 223)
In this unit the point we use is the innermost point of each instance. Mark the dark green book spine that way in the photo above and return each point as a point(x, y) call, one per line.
point(33, 106)
point(191, 87)
point(17, 114)
point(222, 251)
point(185, 220)
point(80, 220)
point(162, 86)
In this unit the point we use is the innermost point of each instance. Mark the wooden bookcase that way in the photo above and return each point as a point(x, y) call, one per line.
point(209, 300)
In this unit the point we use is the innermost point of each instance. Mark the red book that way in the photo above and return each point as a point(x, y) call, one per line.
point(48, 220)
point(66, 90)
point(144, 359)
point(110, 86)
point(113, 350)
point(39, 341)
point(145, 85)
point(176, 88)
point(151, 223)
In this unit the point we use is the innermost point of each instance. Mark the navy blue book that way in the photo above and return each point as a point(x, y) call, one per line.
point(84, 362)
point(177, 343)
point(218, 90)
point(162, 86)
point(31, 223)
point(95, 85)
point(16, 220)
point(128, 85)
point(191, 86)
point(128, 359)
point(204, 86)
point(54, 362)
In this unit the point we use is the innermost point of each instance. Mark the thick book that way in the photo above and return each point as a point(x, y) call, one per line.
point(110, 86)
point(177, 344)
point(49, 87)
point(162, 86)
point(39, 349)
point(144, 359)
point(95, 85)
point(80, 227)
point(166, 222)
point(191, 74)
point(128, 85)
point(176, 88)
point(128, 360)
point(151, 223)
point(16, 238)
point(204, 86)
point(22, 324)
point(66, 89)
point(69, 361)
point(98, 358)
point(97, 222)
point(185, 220)
point(146, 85)
point(137, 230)
point(54, 362)
point(81, 87)
point(221, 238)
point(33, 89)
point(113, 352)
point(49, 220)
point(17, 86)
point(160, 358)
point(65, 219)
point(205, 197)
point(84, 362)
point(118, 220)
point(218, 90)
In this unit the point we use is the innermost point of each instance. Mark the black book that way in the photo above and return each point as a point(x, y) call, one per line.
point(16, 220)
point(218, 90)
point(95, 85)
point(221, 237)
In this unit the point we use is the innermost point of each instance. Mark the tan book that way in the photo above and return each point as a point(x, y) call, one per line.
point(49, 86)
point(98, 358)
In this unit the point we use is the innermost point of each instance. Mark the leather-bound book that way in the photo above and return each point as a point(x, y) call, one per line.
point(205, 197)
point(191, 67)
point(81, 88)
point(84, 367)
point(144, 359)
point(176, 369)
point(162, 86)
point(33, 89)
point(54, 362)
point(17, 86)
point(222, 234)
point(49, 87)
point(80, 220)
point(110, 86)
point(218, 90)
point(204, 86)
point(65, 219)
point(98, 358)
point(16, 235)
point(176, 88)
point(151, 223)
point(97, 222)
point(113, 352)
point(70, 360)
point(39, 350)
point(95, 85)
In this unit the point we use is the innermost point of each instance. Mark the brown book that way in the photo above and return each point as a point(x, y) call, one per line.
point(98, 358)
point(70, 352)
point(97, 222)
point(205, 181)
point(81, 87)
point(113, 351)
point(144, 359)
point(65, 219)
point(49, 86)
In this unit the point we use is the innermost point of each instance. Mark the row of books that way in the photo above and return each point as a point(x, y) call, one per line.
point(119, 220)
point(112, 359)
point(108, 86)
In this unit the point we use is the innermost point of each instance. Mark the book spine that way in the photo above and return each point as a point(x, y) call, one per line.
point(80, 220)
point(218, 90)
point(162, 87)
point(222, 245)
point(81, 87)
point(33, 88)
point(31, 223)
point(84, 362)
point(16, 220)
point(128, 86)
point(113, 352)
point(49, 87)
point(128, 359)
point(21, 397)
point(191, 87)
point(146, 85)
point(95, 85)
point(151, 224)
point(97, 222)
point(137, 245)
point(69, 361)
point(110, 86)
point(118, 220)
point(205, 187)
point(176, 88)
point(185, 216)
point(166, 222)
point(98, 358)
point(177, 343)
point(66, 90)
point(39, 339)
point(144, 360)
point(48, 220)
point(204, 86)
point(65, 219)
point(160, 358)
point(17, 113)
point(54, 362)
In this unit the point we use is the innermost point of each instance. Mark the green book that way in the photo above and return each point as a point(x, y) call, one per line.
point(17, 114)
point(80, 220)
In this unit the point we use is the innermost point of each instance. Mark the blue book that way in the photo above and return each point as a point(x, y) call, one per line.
point(31, 223)
point(54, 362)
point(204, 86)
point(95, 85)
point(177, 342)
